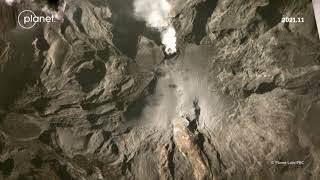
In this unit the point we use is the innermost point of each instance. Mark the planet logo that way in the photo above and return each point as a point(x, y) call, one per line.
point(27, 19)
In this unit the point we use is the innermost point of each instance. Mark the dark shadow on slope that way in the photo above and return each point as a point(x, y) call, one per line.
point(7, 166)
point(276, 9)
point(53, 4)
point(20, 67)
point(204, 11)
point(77, 18)
point(271, 13)
point(126, 28)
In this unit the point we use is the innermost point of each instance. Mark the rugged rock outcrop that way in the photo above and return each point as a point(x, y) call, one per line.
point(93, 97)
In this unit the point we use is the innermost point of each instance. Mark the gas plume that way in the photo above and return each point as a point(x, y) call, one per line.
point(156, 13)
point(11, 2)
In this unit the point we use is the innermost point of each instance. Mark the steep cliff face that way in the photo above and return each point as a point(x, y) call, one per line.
point(7, 17)
point(93, 97)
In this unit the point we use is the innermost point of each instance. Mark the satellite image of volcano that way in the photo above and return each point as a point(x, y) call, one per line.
point(159, 90)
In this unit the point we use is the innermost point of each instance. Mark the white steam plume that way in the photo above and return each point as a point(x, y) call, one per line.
point(157, 15)
point(169, 40)
point(11, 2)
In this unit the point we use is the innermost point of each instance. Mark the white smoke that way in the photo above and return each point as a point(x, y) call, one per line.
point(157, 15)
point(169, 40)
point(11, 2)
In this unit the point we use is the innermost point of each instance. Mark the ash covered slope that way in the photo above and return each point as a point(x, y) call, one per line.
point(96, 100)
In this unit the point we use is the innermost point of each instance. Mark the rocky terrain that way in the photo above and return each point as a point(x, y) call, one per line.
point(95, 97)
